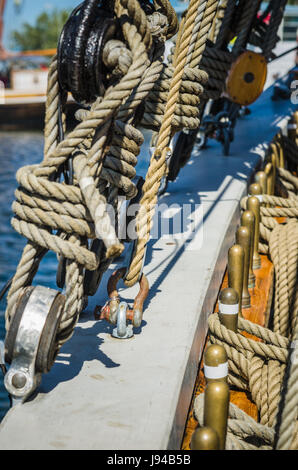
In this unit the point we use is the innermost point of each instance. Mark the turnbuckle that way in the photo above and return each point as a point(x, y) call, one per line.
point(117, 312)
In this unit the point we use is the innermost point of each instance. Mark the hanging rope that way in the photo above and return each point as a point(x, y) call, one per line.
point(61, 203)
point(263, 362)
point(192, 40)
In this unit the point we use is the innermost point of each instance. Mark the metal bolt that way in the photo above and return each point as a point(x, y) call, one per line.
point(19, 380)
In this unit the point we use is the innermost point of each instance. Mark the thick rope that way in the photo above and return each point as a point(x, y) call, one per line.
point(201, 13)
point(288, 429)
point(283, 247)
point(244, 25)
point(266, 365)
point(78, 211)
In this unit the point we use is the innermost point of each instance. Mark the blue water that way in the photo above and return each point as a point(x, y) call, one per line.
point(18, 149)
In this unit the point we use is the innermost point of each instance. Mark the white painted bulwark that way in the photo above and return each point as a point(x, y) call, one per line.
point(104, 393)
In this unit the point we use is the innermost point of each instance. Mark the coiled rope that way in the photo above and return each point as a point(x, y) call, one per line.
point(261, 361)
point(62, 216)
point(61, 204)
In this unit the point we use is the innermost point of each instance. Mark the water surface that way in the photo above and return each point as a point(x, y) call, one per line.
point(18, 149)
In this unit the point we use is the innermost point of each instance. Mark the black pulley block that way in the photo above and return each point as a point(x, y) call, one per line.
point(81, 70)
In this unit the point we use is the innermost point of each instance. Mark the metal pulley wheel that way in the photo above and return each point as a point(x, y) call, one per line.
point(30, 345)
point(247, 78)
point(80, 67)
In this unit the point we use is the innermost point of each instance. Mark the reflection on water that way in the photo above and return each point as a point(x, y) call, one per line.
point(18, 149)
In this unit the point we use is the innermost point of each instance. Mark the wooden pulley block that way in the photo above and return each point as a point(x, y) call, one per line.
point(246, 78)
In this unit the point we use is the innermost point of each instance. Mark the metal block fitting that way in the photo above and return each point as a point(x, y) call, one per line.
point(123, 330)
point(30, 346)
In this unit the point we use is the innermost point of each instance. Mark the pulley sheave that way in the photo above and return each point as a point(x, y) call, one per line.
point(81, 70)
point(246, 79)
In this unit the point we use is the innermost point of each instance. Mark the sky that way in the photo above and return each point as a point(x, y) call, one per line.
point(32, 8)
point(29, 12)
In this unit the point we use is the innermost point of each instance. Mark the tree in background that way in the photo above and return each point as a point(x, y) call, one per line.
point(46, 31)
point(44, 34)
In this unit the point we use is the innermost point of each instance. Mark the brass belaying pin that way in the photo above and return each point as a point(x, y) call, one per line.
point(274, 149)
point(248, 220)
point(261, 178)
point(281, 155)
point(228, 308)
point(270, 182)
point(253, 205)
point(215, 363)
point(204, 439)
point(255, 189)
point(243, 239)
point(235, 271)
point(275, 165)
point(216, 409)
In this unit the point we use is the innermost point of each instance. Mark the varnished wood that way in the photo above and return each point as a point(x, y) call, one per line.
point(247, 78)
point(257, 313)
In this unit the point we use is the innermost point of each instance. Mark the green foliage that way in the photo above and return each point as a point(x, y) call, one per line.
point(43, 34)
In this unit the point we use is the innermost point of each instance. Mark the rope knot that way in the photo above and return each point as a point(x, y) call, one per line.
point(158, 25)
point(117, 58)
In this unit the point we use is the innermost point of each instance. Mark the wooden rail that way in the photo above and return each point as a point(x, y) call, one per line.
point(257, 313)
